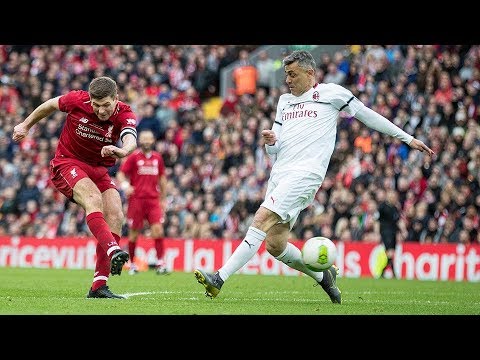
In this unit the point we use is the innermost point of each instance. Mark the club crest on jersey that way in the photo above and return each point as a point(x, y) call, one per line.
point(315, 96)
point(109, 132)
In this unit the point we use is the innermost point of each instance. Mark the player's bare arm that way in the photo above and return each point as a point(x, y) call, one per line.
point(162, 183)
point(129, 145)
point(20, 131)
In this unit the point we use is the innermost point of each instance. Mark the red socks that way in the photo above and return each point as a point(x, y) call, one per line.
point(99, 228)
point(131, 250)
point(159, 248)
point(102, 267)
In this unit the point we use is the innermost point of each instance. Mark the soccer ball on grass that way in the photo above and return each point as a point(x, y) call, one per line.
point(319, 253)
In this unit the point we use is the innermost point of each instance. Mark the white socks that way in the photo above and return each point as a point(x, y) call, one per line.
point(243, 253)
point(292, 257)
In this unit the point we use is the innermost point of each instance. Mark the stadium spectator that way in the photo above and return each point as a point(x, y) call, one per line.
point(35, 73)
point(149, 121)
point(142, 177)
point(28, 191)
point(310, 114)
point(204, 77)
point(245, 75)
point(96, 120)
point(266, 71)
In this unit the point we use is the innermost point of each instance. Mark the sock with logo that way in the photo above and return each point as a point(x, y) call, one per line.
point(243, 253)
point(102, 266)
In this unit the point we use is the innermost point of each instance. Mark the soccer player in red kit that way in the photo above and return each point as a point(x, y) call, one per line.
point(142, 176)
point(96, 120)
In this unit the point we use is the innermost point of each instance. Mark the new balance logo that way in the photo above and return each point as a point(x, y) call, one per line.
point(83, 120)
point(249, 245)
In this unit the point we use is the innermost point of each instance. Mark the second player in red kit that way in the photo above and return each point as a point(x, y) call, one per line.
point(142, 177)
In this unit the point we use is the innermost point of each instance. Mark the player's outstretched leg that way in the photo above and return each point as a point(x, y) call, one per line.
point(118, 260)
point(329, 284)
point(212, 282)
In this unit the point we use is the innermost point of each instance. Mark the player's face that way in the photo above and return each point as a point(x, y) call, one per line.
point(104, 108)
point(298, 79)
point(146, 140)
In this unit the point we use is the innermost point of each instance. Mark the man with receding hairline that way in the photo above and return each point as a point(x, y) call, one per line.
point(302, 139)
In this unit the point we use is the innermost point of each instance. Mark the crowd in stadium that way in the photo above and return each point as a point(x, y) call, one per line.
point(217, 168)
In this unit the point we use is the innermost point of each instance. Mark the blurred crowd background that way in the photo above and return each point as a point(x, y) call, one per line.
point(216, 165)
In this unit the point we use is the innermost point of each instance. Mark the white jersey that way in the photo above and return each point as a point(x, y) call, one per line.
point(306, 127)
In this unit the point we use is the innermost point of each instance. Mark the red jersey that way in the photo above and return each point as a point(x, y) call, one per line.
point(144, 172)
point(84, 135)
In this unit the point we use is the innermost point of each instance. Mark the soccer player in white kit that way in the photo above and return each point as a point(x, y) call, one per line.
point(303, 139)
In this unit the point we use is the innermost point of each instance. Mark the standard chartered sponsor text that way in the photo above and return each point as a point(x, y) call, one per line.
point(92, 136)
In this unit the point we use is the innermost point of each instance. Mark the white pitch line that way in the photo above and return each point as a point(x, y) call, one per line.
point(127, 295)
point(140, 293)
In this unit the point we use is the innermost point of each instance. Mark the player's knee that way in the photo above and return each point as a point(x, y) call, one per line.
point(92, 204)
point(264, 219)
point(156, 231)
point(90, 201)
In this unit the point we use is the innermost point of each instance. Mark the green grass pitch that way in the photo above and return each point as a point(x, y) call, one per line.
point(26, 291)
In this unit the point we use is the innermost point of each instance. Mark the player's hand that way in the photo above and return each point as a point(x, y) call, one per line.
point(129, 191)
point(20, 131)
point(113, 151)
point(420, 146)
point(269, 136)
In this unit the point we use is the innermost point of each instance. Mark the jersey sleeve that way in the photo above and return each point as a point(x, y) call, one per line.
point(67, 102)
point(277, 128)
point(128, 122)
point(343, 99)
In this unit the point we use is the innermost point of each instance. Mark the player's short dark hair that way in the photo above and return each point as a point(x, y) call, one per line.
point(102, 87)
point(304, 58)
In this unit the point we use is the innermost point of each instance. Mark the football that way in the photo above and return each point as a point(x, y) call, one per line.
point(319, 253)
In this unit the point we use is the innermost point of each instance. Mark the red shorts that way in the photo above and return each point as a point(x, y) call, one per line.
point(140, 209)
point(66, 172)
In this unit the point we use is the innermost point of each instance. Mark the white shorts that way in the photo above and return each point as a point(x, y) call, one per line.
point(289, 193)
